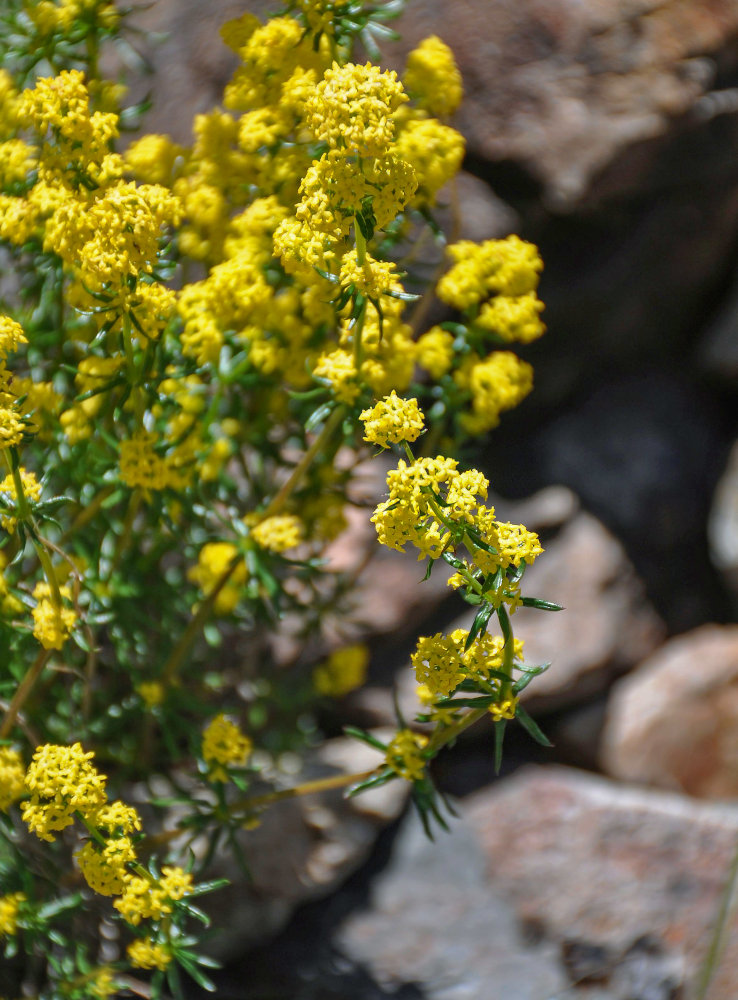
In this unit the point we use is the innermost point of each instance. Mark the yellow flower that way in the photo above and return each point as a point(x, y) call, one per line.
point(223, 743)
point(12, 777)
point(212, 562)
point(62, 781)
point(11, 336)
point(352, 108)
point(503, 709)
point(149, 900)
point(392, 420)
point(513, 317)
point(507, 267)
point(31, 489)
point(343, 671)
point(278, 533)
point(152, 693)
point(147, 954)
point(105, 870)
point(9, 907)
point(433, 78)
point(52, 625)
point(438, 664)
point(435, 152)
point(404, 755)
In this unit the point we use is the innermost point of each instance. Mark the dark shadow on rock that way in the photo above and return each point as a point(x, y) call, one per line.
point(302, 963)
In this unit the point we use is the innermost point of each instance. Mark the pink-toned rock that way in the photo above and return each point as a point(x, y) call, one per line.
point(611, 869)
point(563, 86)
point(673, 722)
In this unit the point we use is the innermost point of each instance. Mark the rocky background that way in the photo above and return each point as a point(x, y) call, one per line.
point(606, 131)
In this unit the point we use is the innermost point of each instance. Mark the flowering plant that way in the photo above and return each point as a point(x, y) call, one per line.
point(196, 336)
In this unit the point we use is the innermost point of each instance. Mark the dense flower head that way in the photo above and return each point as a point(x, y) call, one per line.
point(12, 777)
point(223, 744)
point(270, 54)
point(352, 108)
point(147, 954)
point(497, 383)
point(433, 78)
point(513, 317)
point(435, 351)
point(343, 671)
point(372, 277)
point(152, 158)
point(9, 912)
point(212, 562)
point(106, 869)
point(145, 899)
point(438, 663)
point(61, 781)
point(279, 532)
point(52, 624)
point(11, 422)
point(404, 755)
point(506, 267)
point(434, 151)
point(11, 336)
point(392, 420)
point(31, 490)
point(117, 818)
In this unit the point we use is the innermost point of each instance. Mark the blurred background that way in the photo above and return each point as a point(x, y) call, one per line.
point(605, 131)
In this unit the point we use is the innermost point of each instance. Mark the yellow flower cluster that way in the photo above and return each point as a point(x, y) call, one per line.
point(151, 693)
point(60, 15)
point(11, 336)
point(404, 755)
point(392, 420)
point(61, 781)
point(436, 508)
point(224, 744)
point(31, 490)
point(343, 671)
point(12, 777)
point(441, 662)
point(52, 624)
point(433, 78)
point(147, 954)
point(435, 152)
point(212, 562)
point(495, 384)
point(9, 908)
point(504, 267)
point(278, 533)
point(151, 899)
point(352, 109)
point(105, 869)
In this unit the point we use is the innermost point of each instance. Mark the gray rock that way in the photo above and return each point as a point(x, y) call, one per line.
point(673, 722)
point(433, 921)
point(627, 881)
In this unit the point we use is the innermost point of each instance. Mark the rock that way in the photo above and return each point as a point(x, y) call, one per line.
point(722, 525)
point(432, 921)
point(563, 87)
point(673, 722)
point(628, 882)
point(302, 850)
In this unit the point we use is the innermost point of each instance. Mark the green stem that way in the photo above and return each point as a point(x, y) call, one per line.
point(443, 736)
point(306, 788)
point(718, 939)
point(203, 613)
point(23, 691)
point(360, 245)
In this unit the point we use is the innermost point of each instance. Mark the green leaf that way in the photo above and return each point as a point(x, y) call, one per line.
point(499, 740)
point(360, 734)
point(479, 624)
point(318, 416)
point(532, 727)
point(201, 888)
point(534, 602)
point(380, 779)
